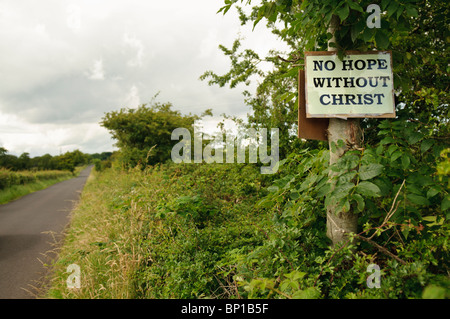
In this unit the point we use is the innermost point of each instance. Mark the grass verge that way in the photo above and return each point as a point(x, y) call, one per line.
point(217, 231)
point(14, 192)
point(161, 233)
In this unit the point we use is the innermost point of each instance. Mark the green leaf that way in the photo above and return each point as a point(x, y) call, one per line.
point(445, 203)
point(392, 8)
point(425, 145)
point(405, 161)
point(324, 190)
point(414, 137)
point(387, 140)
point(384, 124)
point(370, 171)
point(368, 189)
point(308, 293)
point(287, 96)
point(367, 34)
point(356, 29)
point(384, 132)
point(295, 195)
point(343, 12)
point(412, 12)
point(392, 148)
point(384, 4)
point(333, 147)
point(295, 275)
point(396, 155)
point(379, 150)
point(359, 201)
point(384, 185)
point(347, 177)
point(344, 206)
point(343, 31)
point(430, 219)
point(355, 6)
point(224, 9)
point(400, 11)
point(418, 200)
point(433, 191)
point(343, 189)
point(382, 39)
point(270, 11)
point(328, 17)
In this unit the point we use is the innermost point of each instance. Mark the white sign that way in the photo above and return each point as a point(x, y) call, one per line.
point(360, 85)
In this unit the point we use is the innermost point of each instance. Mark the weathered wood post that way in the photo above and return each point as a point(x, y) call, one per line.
point(348, 130)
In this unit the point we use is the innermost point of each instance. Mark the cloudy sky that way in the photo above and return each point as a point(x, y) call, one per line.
point(64, 63)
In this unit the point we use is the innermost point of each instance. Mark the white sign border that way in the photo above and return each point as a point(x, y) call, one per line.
point(348, 115)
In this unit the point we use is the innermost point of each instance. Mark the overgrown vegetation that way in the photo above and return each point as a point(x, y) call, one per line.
point(144, 134)
point(226, 231)
point(10, 178)
point(16, 184)
point(165, 230)
point(24, 174)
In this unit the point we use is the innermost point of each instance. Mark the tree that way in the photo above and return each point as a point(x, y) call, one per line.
point(24, 161)
point(415, 31)
point(144, 134)
point(43, 162)
point(3, 152)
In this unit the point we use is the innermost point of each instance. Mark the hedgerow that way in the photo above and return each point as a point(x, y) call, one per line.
point(226, 231)
point(10, 178)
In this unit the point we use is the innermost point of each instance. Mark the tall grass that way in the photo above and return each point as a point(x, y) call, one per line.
point(160, 233)
point(218, 231)
point(101, 240)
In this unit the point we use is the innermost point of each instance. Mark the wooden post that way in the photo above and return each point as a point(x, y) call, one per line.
point(348, 130)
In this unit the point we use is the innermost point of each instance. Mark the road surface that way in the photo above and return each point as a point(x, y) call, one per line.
point(30, 229)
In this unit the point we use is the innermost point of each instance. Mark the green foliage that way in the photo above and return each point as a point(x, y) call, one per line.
point(218, 230)
point(311, 20)
point(67, 161)
point(416, 32)
point(144, 134)
point(403, 204)
point(225, 231)
point(397, 183)
point(206, 216)
point(290, 256)
point(15, 184)
point(101, 165)
point(10, 178)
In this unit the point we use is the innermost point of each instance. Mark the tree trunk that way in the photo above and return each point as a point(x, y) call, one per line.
point(348, 130)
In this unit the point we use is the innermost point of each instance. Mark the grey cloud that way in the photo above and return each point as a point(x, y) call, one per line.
point(67, 63)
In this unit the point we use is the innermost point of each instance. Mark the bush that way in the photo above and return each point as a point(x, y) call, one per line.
point(144, 134)
point(101, 165)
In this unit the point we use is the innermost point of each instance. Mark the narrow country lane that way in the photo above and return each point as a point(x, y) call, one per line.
point(29, 229)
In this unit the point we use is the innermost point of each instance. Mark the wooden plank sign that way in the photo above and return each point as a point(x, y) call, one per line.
point(360, 85)
point(309, 128)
